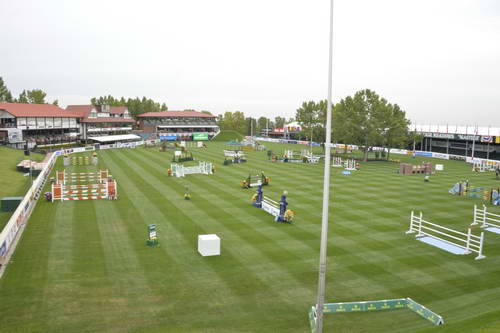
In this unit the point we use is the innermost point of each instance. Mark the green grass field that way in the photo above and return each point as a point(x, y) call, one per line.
point(84, 266)
point(12, 182)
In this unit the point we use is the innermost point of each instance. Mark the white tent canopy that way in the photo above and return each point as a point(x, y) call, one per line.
point(110, 138)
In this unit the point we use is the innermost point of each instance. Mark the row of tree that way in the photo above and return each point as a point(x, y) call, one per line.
point(135, 106)
point(237, 121)
point(364, 119)
point(35, 96)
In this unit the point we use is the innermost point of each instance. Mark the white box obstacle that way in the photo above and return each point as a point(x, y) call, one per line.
point(447, 239)
point(486, 220)
point(209, 245)
point(439, 167)
point(180, 170)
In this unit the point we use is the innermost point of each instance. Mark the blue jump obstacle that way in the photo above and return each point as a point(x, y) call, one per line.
point(274, 208)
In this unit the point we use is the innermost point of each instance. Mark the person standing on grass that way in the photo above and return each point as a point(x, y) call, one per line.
point(497, 171)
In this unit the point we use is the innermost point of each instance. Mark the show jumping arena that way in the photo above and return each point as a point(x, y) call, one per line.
point(99, 265)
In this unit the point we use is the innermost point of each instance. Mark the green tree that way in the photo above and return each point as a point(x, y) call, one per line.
point(35, 96)
point(392, 126)
point(311, 119)
point(5, 95)
point(135, 106)
point(367, 120)
point(262, 125)
point(232, 121)
point(250, 126)
point(279, 122)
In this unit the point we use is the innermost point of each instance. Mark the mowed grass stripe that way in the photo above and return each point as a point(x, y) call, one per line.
point(190, 229)
point(222, 203)
point(180, 278)
point(370, 257)
point(228, 197)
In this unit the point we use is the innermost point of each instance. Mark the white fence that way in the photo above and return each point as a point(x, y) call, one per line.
point(14, 227)
point(465, 241)
point(18, 220)
point(180, 170)
point(486, 219)
point(234, 153)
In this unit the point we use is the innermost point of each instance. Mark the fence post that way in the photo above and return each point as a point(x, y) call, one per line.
point(480, 252)
point(420, 225)
point(484, 216)
point(411, 224)
point(475, 216)
point(467, 246)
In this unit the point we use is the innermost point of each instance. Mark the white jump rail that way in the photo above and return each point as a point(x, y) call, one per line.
point(486, 220)
point(232, 153)
point(337, 162)
point(467, 242)
point(180, 170)
point(350, 165)
point(271, 206)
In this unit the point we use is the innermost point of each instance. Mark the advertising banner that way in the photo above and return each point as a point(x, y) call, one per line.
point(423, 153)
point(168, 138)
point(424, 312)
point(441, 156)
point(200, 136)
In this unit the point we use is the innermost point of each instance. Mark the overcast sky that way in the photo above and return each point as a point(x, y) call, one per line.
point(438, 59)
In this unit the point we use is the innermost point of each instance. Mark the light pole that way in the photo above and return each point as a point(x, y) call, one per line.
point(326, 188)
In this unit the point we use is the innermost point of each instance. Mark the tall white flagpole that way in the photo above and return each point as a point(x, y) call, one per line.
point(326, 188)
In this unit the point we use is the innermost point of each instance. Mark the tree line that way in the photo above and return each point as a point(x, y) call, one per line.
point(365, 119)
point(237, 121)
point(34, 96)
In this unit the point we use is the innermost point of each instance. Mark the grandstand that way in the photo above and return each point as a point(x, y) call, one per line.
point(37, 124)
point(102, 120)
point(179, 125)
point(472, 141)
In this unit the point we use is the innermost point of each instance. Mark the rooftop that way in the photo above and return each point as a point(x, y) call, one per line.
point(166, 114)
point(36, 110)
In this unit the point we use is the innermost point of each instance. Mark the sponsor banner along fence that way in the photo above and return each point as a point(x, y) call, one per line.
point(22, 213)
point(392, 150)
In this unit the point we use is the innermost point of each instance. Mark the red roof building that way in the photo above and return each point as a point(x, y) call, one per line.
point(179, 125)
point(99, 120)
point(37, 123)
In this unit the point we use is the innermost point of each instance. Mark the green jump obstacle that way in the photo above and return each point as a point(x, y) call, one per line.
point(366, 306)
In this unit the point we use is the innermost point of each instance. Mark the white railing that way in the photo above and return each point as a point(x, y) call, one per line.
point(15, 226)
point(485, 219)
point(180, 170)
point(271, 206)
point(18, 220)
point(233, 153)
point(466, 241)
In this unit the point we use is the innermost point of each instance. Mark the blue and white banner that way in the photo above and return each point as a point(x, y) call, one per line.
point(441, 156)
point(423, 153)
point(168, 138)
